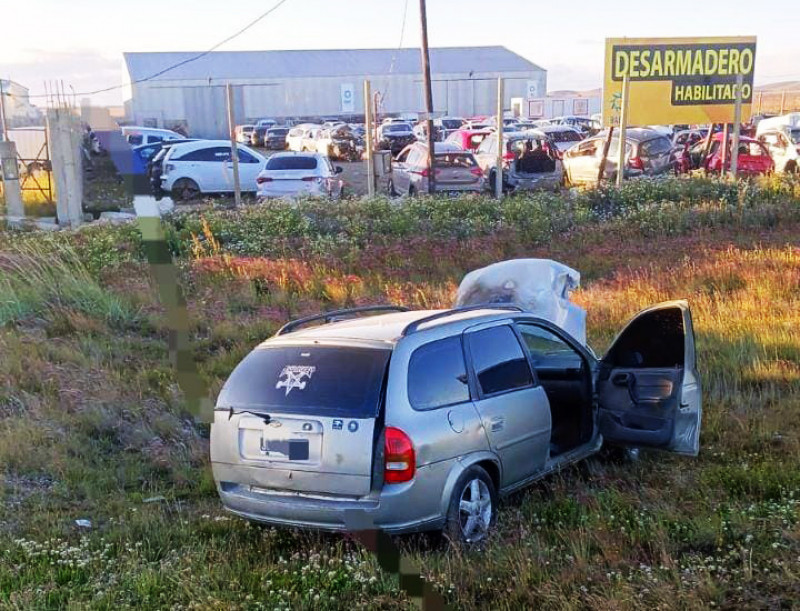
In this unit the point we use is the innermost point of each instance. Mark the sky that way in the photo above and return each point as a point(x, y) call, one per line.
point(81, 41)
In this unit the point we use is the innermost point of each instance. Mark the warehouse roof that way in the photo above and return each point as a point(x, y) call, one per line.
point(336, 62)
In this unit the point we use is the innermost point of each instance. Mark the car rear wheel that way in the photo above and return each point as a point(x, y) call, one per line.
point(472, 512)
point(412, 191)
point(185, 189)
point(390, 188)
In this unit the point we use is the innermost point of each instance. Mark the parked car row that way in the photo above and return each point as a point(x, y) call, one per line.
point(187, 168)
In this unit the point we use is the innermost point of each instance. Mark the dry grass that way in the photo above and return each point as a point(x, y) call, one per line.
point(92, 426)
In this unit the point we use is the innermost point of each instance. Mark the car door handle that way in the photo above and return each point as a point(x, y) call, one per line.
point(621, 379)
point(628, 380)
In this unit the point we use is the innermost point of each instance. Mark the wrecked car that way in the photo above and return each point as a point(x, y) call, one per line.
point(380, 417)
point(529, 162)
point(339, 143)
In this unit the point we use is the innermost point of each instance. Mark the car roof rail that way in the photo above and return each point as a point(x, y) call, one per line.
point(414, 326)
point(329, 316)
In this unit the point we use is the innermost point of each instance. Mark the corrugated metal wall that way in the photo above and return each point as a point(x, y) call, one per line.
point(203, 106)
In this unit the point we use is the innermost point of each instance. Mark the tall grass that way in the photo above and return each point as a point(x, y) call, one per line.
point(38, 279)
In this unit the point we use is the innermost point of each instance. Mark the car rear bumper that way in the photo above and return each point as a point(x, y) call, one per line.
point(546, 181)
point(398, 508)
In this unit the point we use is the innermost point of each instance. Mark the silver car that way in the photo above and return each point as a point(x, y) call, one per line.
point(457, 172)
point(418, 420)
point(647, 153)
point(529, 161)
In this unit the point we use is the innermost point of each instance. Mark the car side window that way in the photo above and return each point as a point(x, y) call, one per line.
point(214, 153)
point(437, 375)
point(498, 360)
point(245, 157)
point(135, 139)
point(547, 350)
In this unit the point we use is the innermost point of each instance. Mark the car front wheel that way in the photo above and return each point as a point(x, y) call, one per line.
point(473, 508)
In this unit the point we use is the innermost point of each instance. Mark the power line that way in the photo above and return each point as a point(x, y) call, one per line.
point(385, 93)
point(184, 62)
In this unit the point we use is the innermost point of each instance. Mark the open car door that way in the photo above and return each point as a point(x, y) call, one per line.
point(648, 387)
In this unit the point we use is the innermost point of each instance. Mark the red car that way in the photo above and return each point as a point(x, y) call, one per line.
point(754, 159)
point(468, 139)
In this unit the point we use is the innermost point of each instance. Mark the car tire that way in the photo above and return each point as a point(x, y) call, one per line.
point(472, 511)
point(185, 189)
point(390, 188)
point(412, 191)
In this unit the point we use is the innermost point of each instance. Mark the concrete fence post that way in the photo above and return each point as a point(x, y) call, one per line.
point(10, 174)
point(65, 141)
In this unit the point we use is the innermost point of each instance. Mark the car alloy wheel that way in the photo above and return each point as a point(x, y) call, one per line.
point(475, 511)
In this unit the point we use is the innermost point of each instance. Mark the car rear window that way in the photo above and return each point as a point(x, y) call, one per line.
point(278, 131)
point(455, 160)
point(292, 163)
point(316, 380)
point(451, 123)
point(397, 127)
point(656, 146)
point(565, 136)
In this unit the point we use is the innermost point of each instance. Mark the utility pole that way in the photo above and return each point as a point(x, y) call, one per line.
point(498, 176)
point(623, 126)
point(426, 75)
point(737, 123)
point(237, 186)
point(369, 138)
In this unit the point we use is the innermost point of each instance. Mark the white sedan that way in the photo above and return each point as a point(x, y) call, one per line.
point(298, 174)
point(206, 166)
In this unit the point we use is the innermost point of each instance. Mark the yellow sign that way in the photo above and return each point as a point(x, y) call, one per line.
point(678, 80)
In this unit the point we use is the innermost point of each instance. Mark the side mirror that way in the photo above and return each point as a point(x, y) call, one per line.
point(338, 169)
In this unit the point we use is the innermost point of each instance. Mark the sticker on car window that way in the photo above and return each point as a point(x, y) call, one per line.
point(295, 376)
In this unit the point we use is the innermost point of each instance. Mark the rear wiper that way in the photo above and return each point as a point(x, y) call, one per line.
point(265, 417)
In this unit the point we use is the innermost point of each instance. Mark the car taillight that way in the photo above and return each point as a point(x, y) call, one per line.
point(476, 172)
point(508, 156)
point(636, 163)
point(263, 179)
point(400, 461)
point(424, 173)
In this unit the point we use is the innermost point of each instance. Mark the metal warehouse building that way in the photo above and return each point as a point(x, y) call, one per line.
point(305, 84)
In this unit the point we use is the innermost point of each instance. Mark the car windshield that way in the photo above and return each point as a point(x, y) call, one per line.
point(451, 123)
point(278, 132)
point(794, 134)
point(454, 160)
point(397, 127)
point(320, 380)
point(292, 163)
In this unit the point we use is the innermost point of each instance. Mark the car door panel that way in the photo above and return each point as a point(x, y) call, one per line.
point(648, 387)
point(517, 425)
point(516, 418)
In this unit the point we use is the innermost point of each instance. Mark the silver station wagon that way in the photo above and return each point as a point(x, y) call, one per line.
point(420, 420)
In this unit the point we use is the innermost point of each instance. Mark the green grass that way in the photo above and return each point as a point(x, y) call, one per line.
point(93, 424)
